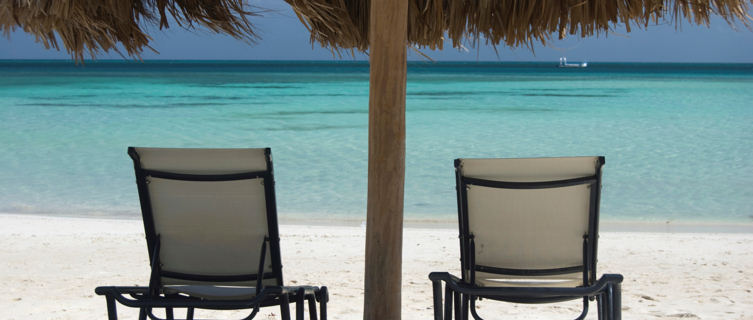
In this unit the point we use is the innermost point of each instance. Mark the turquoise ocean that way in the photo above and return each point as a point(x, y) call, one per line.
point(678, 138)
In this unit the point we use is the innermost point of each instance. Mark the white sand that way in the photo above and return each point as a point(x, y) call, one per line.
point(50, 266)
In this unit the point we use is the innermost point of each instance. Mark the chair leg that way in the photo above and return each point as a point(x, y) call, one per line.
point(169, 314)
point(437, 296)
point(617, 301)
point(612, 304)
point(473, 309)
point(447, 303)
point(300, 295)
point(312, 307)
point(600, 307)
point(585, 309)
point(609, 303)
point(323, 296)
point(285, 307)
point(189, 314)
point(458, 309)
point(142, 313)
point(466, 301)
point(112, 312)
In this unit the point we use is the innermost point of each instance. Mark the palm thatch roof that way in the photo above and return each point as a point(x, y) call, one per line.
point(90, 26)
point(344, 23)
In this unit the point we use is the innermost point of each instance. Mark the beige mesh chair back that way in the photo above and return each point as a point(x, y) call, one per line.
point(208, 214)
point(528, 223)
point(210, 221)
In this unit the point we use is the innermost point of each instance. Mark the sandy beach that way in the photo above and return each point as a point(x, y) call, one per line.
point(51, 265)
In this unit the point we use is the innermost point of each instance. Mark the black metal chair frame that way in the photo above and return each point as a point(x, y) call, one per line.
point(153, 296)
point(461, 294)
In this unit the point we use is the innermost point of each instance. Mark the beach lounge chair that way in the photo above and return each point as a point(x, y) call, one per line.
point(528, 234)
point(211, 229)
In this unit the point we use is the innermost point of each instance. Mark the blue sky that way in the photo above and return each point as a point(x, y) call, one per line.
point(283, 37)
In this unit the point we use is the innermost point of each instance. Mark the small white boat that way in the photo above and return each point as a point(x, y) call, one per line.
point(564, 64)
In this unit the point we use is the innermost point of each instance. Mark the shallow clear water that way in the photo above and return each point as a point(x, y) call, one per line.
point(678, 139)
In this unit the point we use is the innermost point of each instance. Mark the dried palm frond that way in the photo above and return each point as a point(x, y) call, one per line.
point(100, 25)
point(343, 24)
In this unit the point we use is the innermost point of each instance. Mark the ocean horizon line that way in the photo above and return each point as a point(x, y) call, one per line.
point(362, 61)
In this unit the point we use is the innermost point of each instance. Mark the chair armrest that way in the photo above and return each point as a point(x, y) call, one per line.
point(307, 291)
point(460, 286)
point(139, 297)
point(444, 276)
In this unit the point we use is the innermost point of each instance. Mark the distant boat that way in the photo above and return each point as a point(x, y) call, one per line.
point(564, 64)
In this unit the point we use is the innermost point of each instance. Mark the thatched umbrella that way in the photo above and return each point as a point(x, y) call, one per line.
point(384, 28)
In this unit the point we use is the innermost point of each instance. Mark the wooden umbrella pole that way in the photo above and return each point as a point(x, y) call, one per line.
point(384, 222)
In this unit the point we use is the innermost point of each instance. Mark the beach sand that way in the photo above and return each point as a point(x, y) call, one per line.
point(51, 265)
